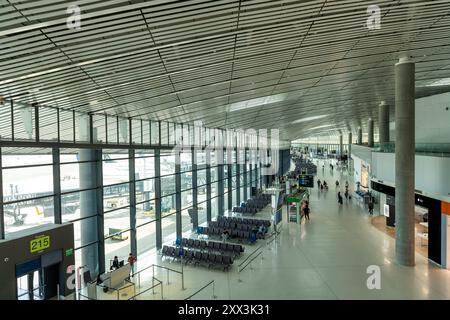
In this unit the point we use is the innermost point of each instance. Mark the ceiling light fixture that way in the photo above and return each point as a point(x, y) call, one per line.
point(247, 104)
point(440, 82)
point(311, 118)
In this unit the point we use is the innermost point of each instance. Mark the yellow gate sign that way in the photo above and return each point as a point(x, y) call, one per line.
point(40, 243)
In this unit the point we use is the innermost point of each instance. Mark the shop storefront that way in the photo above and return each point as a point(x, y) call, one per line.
point(432, 223)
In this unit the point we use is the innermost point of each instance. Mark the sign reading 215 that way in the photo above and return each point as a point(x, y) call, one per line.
point(39, 244)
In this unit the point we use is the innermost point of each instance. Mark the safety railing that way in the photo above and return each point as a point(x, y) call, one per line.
point(141, 293)
point(153, 266)
point(258, 252)
point(122, 292)
point(211, 283)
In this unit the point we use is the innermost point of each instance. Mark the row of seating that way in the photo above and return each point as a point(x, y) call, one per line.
point(254, 204)
point(222, 247)
point(245, 210)
point(231, 226)
point(233, 234)
point(256, 222)
point(198, 257)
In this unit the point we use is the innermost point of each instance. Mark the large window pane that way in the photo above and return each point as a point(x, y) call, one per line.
point(169, 229)
point(116, 196)
point(146, 238)
point(168, 205)
point(85, 231)
point(117, 246)
point(27, 182)
point(70, 205)
point(29, 213)
point(115, 171)
point(116, 221)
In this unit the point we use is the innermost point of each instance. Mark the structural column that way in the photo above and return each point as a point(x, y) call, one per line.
point(349, 145)
point(89, 200)
point(208, 185)
point(341, 146)
point(370, 133)
point(359, 142)
point(178, 219)
point(383, 120)
point(194, 190)
point(404, 161)
point(2, 213)
point(158, 221)
point(132, 188)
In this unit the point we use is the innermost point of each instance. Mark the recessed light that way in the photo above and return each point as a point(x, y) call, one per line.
point(311, 118)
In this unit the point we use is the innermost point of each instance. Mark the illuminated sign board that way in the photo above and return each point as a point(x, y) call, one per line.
point(40, 243)
point(305, 180)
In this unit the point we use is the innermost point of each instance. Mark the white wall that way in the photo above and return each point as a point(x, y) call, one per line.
point(356, 168)
point(431, 173)
point(445, 243)
point(432, 120)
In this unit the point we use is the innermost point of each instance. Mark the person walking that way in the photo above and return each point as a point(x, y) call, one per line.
point(318, 183)
point(370, 205)
point(339, 198)
point(131, 260)
point(306, 211)
point(337, 184)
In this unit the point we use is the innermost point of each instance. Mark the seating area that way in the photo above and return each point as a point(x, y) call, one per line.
point(253, 205)
point(204, 253)
point(238, 228)
point(305, 165)
point(212, 246)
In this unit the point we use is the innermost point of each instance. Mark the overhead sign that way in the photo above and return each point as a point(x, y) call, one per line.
point(306, 180)
point(40, 243)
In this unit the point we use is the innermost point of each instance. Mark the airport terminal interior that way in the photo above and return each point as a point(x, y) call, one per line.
point(224, 150)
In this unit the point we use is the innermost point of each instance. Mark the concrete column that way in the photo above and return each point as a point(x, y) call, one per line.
point(158, 221)
point(88, 208)
point(208, 185)
point(383, 120)
point(178, 219)
point(194, 189)
point(359, 136)
point(341, 146)
point(370, 133)
point(132, 188)
point(404, 161)
point(349, 144)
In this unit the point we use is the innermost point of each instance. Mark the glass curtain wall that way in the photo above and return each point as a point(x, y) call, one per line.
point(28, 194)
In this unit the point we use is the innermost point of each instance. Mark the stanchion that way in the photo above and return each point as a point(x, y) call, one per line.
point(153, 278)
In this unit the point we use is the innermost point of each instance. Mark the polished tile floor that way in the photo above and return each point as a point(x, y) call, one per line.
point(324, 258)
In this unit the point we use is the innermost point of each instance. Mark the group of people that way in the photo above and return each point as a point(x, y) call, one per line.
point(322, 185)
point(346, 193)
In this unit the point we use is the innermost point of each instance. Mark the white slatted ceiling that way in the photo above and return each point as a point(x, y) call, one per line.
point(190, 60)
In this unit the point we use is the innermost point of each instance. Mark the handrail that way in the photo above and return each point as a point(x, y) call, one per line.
point(202, 288)
point(148, 289)
point(162, 267)
point(256, 253)
point(249, 256)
